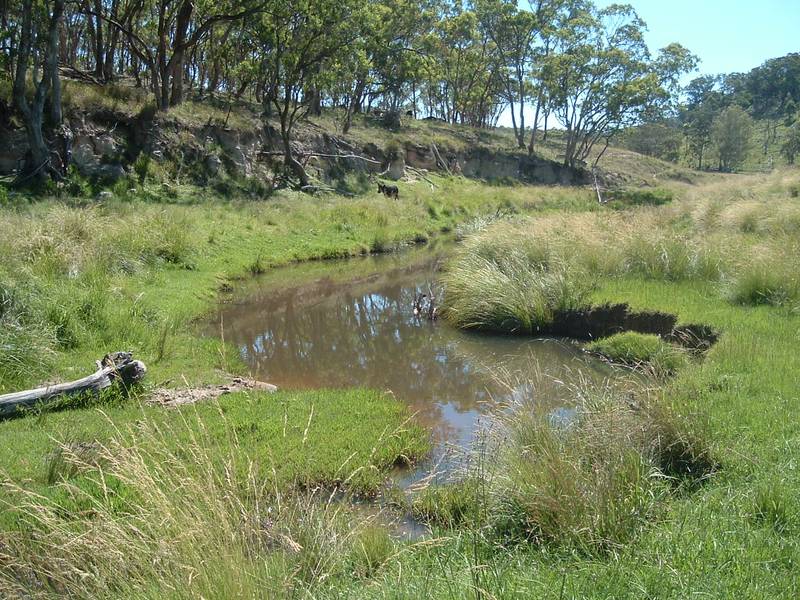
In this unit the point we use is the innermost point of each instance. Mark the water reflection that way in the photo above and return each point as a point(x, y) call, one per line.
point(351, 324)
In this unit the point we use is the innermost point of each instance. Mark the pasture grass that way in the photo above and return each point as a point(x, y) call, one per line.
point(79, 279)
point(736, 535)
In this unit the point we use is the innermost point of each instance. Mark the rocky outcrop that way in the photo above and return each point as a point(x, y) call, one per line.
point(106, 146)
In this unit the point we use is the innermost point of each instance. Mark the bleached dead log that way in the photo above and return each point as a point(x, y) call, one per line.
point(117, 367)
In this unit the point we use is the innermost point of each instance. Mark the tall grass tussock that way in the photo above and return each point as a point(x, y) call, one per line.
point(589, 480)
point(195, 502)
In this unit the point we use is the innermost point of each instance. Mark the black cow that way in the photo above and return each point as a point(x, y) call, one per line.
point(390, 191)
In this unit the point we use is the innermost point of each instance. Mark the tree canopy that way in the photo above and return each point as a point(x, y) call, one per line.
point(461, 61)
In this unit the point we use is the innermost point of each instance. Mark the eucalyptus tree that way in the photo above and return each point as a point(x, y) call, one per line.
point(463, 71)
point(38, 43)
point(161, 33)
point(703, 102)
point(513, 31)
point(393, 45)
point(731, 134)
point(790, 147)
point(523, 39)
point(299, 41)
point(601, 77)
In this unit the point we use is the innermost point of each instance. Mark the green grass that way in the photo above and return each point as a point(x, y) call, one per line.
point(233, 498)
point(139, 498)
point(298, 438)
point(512, 285)
point(640, 350)
point(737, 534)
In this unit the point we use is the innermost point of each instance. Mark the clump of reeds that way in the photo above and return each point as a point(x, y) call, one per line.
point(589, 482)
point(512, 288)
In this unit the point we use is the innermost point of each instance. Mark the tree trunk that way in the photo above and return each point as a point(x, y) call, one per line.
point(111, 48)
point(292, 163)
point(289, 161)
point(175, 65)
point(32, 113)
point(51, 70)
point(532, 144)
point(99, 61)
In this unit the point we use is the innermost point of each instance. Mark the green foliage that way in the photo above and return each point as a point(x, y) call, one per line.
point(451, 505)
point(773, 507)
point(791, 143)
point(732, 132)
point(660, 140)
point(141, 166)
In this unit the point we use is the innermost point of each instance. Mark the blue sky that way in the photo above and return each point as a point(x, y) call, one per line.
point(727, 36)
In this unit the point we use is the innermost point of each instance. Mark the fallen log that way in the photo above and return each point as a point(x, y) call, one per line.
point(116, 367)
point(321, 155)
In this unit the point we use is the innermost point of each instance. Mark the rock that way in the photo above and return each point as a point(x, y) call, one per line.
point(112, 172)
point(83, 156)
point(397, 169)
point(239, 158)
point(104, 195)
point(106, 146)
point(12, 151)
point(213, 164)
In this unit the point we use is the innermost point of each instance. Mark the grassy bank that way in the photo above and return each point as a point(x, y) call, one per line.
point(723, 256)
point(89, 491)
point(228, 498)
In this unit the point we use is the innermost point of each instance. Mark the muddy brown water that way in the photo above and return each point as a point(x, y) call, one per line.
point(350, 323)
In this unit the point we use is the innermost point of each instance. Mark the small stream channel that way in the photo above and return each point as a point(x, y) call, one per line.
point(350, 323)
